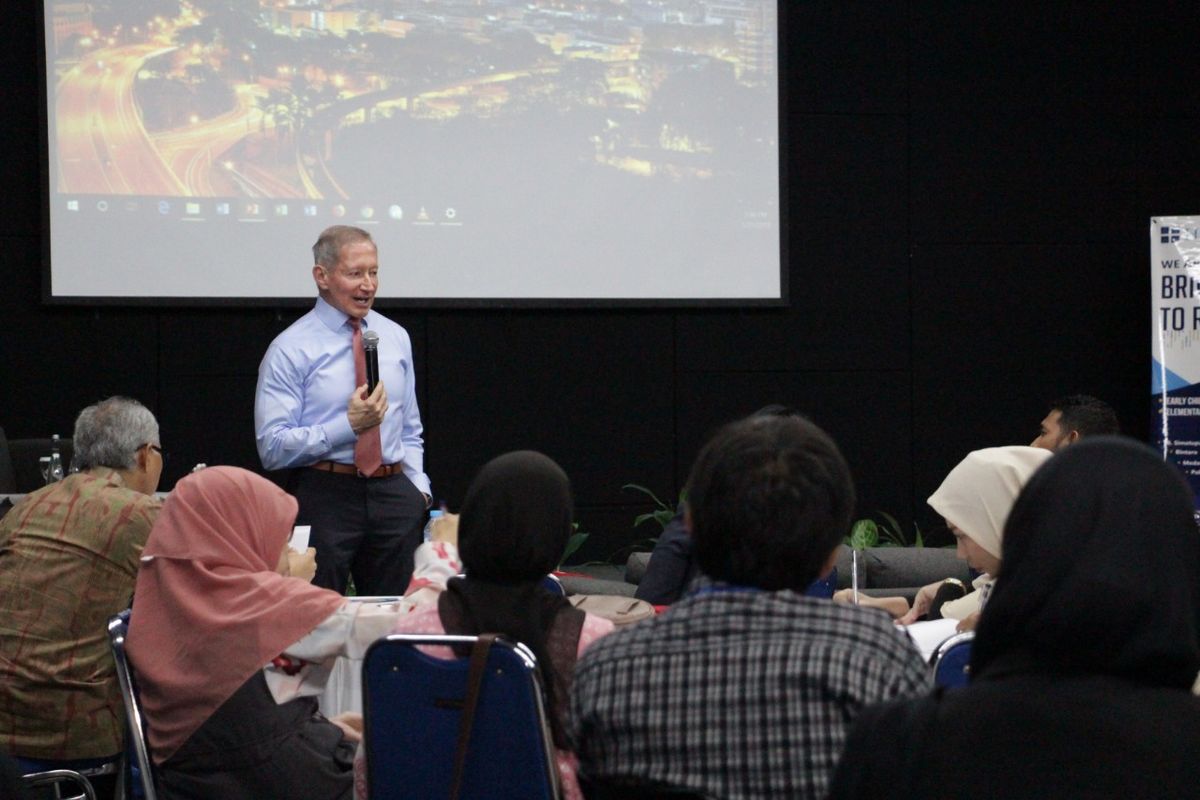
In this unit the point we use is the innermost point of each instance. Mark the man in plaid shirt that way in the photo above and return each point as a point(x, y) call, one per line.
point(746, 688)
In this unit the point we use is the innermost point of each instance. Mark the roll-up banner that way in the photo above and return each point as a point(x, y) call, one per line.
point(1175, 330)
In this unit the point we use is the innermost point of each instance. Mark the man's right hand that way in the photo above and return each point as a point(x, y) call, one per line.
point(366, 411)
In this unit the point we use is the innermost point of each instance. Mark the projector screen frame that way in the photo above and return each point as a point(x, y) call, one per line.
point(48, 194)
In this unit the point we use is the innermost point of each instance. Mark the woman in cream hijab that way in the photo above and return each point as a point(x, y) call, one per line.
point(975, 499)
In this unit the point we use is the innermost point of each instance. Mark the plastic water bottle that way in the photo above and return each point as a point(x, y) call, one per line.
point(433, 515)
point(56, 462)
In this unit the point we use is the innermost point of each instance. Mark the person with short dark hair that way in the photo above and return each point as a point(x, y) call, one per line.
point(1073, 417)
point(1082, 667)
point(672, 566)
point(746, 687)
point(68, 560)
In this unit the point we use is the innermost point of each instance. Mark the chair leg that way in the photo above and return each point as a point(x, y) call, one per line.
point(121, 791)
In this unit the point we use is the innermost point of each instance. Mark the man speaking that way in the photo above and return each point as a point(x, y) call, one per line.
point(357, 456)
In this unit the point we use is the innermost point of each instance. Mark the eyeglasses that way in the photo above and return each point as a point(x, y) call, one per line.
point(161, 453)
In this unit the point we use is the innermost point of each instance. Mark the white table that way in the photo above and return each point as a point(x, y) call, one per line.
point(343, 689)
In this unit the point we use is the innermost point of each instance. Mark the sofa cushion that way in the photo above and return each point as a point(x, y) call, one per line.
point(901, 567)
point(635, 567)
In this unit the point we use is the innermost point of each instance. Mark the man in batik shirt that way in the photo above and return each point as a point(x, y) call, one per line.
point(69, 553)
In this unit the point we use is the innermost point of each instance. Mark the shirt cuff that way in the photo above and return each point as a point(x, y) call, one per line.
point(338, 432)
point(419, 480)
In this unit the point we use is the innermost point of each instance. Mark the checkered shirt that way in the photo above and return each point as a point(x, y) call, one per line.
point(737, 693)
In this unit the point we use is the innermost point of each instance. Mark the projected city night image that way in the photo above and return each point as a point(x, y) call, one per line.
point(232, 98)
point(508, 149)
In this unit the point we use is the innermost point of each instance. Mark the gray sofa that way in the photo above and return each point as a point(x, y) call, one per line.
point(882, 572)
point(900, 571)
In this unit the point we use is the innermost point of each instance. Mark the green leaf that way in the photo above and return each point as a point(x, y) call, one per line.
point(864, 534)
point(664, 517)
point(893, 532)
point(573, 543)
point(647, 492)
point(661, 513)
point(651, 515)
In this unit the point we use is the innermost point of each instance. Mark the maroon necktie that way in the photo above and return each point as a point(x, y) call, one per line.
point(368, 450)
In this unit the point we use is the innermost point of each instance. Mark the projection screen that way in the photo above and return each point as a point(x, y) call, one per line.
point(497, 151)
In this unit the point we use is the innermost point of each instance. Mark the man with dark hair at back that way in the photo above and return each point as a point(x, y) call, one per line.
point(69, 554)
point(745, 688)
point(672, 566)
point(357, 458)
point(1073, 417)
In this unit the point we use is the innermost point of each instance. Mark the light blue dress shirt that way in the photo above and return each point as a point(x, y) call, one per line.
point(304, 384)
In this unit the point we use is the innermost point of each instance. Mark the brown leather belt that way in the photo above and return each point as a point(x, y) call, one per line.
point(385, 471)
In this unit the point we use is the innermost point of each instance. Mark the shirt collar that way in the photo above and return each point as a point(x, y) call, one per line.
point(334, 319)
point(706, 585)
point(107, 474)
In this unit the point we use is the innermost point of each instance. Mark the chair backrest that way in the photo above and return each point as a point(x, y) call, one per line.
point(60, 780)
point(118, 626)
point(412, 706)
point(951, 660)
point(552, 584)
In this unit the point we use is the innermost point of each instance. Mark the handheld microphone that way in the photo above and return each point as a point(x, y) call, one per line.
point(370, 342)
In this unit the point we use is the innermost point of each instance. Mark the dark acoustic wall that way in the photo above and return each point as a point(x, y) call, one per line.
point(968, 187)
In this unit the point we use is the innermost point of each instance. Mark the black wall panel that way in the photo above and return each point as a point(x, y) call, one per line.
point(967, 192)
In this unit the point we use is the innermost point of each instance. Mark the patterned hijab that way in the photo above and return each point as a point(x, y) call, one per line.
point(1101, 572)
point(209, 609)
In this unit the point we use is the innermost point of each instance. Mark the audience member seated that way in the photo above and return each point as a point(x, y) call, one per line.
point(68, 558)
point(512, 530)
point(975, 499)
point(1082, 666)
point(1072, 418)
point(672, 566)
point(214, 603)
point(895, 606)
point(745, 688)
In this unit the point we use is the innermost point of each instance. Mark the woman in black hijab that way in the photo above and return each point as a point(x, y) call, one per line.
point(513, 528)
point(1084, 663)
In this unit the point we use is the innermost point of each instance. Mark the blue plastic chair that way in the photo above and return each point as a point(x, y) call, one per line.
point(118, 626)
point(412, 706)
point(951, 661)
point(552, 584)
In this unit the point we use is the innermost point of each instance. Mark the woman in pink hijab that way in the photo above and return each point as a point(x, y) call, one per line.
point(218, 633)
